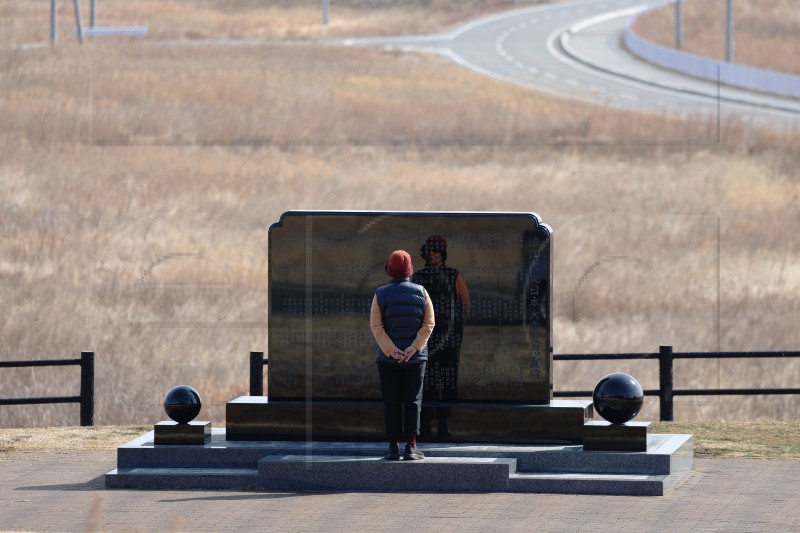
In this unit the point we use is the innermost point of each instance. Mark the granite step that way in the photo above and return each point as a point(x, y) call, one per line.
point(183, 478)
point(359, 466)
point(343, 473)
point(333, 472)
point(597, 484)
point(663, 452)
point(571, 483)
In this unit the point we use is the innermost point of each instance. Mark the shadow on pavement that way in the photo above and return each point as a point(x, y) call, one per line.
point(97, 483)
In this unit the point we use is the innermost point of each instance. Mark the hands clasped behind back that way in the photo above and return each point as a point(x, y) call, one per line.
point(402, 356)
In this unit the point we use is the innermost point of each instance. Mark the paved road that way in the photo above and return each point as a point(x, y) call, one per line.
point(574, 49)
point(64, 492)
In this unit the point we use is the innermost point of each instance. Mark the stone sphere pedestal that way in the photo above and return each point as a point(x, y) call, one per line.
point(182, 404)
point(170, 432)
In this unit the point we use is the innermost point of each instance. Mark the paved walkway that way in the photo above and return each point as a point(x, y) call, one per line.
point(64, 492)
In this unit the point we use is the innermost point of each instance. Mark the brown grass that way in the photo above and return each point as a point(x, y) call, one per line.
point(765, 31)
point(28, 21)
point(65, 439)
point(759, 438)
point(225, 139)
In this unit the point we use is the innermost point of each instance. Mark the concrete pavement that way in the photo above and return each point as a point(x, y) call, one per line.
point(64, 492)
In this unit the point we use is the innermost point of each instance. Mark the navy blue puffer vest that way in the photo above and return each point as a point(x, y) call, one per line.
point(402, 306)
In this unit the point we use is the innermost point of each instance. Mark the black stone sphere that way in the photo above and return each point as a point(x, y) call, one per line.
point(182, 404)
point(618, 398)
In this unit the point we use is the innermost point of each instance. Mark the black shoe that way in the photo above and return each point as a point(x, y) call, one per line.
point(394, 452)
point(412, 454)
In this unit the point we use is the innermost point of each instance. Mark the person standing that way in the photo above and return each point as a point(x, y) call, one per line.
point(451, 305)
point(401, 319)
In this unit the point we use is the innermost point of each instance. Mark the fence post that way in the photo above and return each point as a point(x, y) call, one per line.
point(256, 373)
point(665, 382)
point(87, 388)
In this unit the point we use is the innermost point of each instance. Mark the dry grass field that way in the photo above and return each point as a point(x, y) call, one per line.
point(766, 32)
point(26, 21)
point(137, 180)
point(762, 438)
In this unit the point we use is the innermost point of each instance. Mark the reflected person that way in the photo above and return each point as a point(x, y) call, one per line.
point(401, 319)
point(451, 306)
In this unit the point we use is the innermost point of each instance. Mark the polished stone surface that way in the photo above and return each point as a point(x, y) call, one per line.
point(259, 418)
point(627, 437)
point(324, 268)
point(618, 397)
point(182, 404)
point(172, 433)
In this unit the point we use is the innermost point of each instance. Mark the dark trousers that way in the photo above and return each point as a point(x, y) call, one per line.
point(401, 389)
point(441, 381)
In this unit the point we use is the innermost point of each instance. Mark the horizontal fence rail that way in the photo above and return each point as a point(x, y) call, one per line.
point(666, 391)
point(665, 356)
point(86, 397)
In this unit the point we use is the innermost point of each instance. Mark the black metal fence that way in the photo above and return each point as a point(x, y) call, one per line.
point(666, 391)
point(86, 398)
point(257, 363)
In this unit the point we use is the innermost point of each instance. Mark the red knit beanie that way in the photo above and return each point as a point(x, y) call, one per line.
point(399, 264)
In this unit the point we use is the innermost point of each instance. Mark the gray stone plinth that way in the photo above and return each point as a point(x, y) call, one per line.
point(359, 466)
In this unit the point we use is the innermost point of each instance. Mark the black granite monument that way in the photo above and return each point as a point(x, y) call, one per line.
point(324, 268)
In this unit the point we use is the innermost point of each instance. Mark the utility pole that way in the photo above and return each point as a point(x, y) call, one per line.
point(78, 20)
point(678, 24)
point(53, 22)
point(325, 11)
point(729, 32)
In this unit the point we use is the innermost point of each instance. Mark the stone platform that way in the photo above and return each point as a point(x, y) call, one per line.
point(448, 467)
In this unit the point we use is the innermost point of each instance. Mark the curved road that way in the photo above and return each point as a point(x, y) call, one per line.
point(573, 49)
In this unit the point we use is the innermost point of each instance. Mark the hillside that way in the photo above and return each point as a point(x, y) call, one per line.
point(117, 154)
